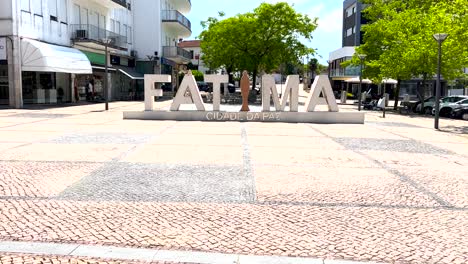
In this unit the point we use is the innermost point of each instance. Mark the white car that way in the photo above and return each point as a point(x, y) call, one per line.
point(448, 104)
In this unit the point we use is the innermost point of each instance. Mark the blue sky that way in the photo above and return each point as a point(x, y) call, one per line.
point(327, 37)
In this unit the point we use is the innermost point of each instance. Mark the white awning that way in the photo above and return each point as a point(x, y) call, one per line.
point(356, 80)
point(42, 57)
point(389, 81)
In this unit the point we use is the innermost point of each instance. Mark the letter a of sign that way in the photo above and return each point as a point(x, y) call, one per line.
point(321, 85)
point(188, 84)
point(291, 92)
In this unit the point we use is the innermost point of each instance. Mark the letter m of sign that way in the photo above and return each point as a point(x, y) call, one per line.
point(269, 90)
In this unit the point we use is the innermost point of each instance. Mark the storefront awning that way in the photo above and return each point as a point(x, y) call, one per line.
point(42, 57)
point(130, 73)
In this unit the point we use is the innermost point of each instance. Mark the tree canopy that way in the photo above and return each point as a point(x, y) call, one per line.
point(257, 41)
point(399, 39)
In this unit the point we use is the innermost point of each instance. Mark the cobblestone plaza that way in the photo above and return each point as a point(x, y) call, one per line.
point(390, 191)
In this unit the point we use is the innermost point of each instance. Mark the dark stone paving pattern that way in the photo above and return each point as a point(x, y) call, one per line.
point(168, 183)
point(102, 138)
point(410, 146)
point(391, 124)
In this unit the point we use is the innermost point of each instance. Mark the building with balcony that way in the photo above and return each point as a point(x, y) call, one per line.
point(159, 27)
point(351, 38)
point(55, 48)
point(193, 46)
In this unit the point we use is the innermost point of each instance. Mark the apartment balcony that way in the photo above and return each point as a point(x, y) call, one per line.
point(176, 54)
point(112, 3)
point(174, 21)
point(183, 6)
point(345, 72)
point(91, 36)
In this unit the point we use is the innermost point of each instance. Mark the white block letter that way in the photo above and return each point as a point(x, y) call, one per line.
point(269, 90)
point(188, 84)
point(216, 80)
point(150, 91)
point(321, 85)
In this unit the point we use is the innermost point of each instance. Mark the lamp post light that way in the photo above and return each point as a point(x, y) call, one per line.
point(439, 37)
point(361, 57)
point(106, 41)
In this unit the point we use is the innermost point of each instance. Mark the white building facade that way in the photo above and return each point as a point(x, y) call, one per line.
point(159, 26)
point(55, 48)
point(194, 47)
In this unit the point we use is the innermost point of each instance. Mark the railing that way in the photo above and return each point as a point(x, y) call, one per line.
point(348, 71)
point(172, 52)
point(176, 16)
point(90, 32)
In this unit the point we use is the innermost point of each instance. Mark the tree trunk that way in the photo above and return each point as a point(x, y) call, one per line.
point(423, 89)
point(253, 93)
point(229, 72)
point(397, 95)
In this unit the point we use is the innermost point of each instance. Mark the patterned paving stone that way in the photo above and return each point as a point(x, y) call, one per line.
point(66, 152)
point(451, 184)
point(180, 183)
point(35, 259)
point(102, 138)
point(391, 191)
point(40, 115)
point(390, 145)
point(338, 232)
point(40, 179)
point(372, 187)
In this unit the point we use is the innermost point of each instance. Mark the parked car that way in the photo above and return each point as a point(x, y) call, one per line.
point(203, 86)
point(460, 112)
point(448, 104)
point(428, 105)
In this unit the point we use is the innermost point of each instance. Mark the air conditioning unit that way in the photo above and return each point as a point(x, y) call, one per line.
point(134, 53)
point(81, 33)
point(113, 40)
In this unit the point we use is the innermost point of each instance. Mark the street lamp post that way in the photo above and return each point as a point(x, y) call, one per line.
point(106, 41)
point(439, 37)
point(361, 57)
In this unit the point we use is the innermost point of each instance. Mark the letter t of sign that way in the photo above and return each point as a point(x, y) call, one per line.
point(216, 80)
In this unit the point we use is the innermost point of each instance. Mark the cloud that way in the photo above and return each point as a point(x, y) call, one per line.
point(331, 22)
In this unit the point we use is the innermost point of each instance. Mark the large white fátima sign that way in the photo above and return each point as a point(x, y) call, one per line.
point(274, 108)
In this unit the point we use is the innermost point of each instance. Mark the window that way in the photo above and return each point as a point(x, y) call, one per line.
point(63, 11)
point(102, 22)
point(37, 7)
point(25, 5)
point(349, 32)
point(117, 27)
point(76, 14)
point(84, 16)
point(112, 25)
point(53, 8)
point(124, 30)
point(350, 11)
point(129, 35)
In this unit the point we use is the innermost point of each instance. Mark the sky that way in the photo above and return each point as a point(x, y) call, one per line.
point(327, 37)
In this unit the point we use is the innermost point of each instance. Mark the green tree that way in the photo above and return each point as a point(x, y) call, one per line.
point(257, 41)
point(399, 40)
